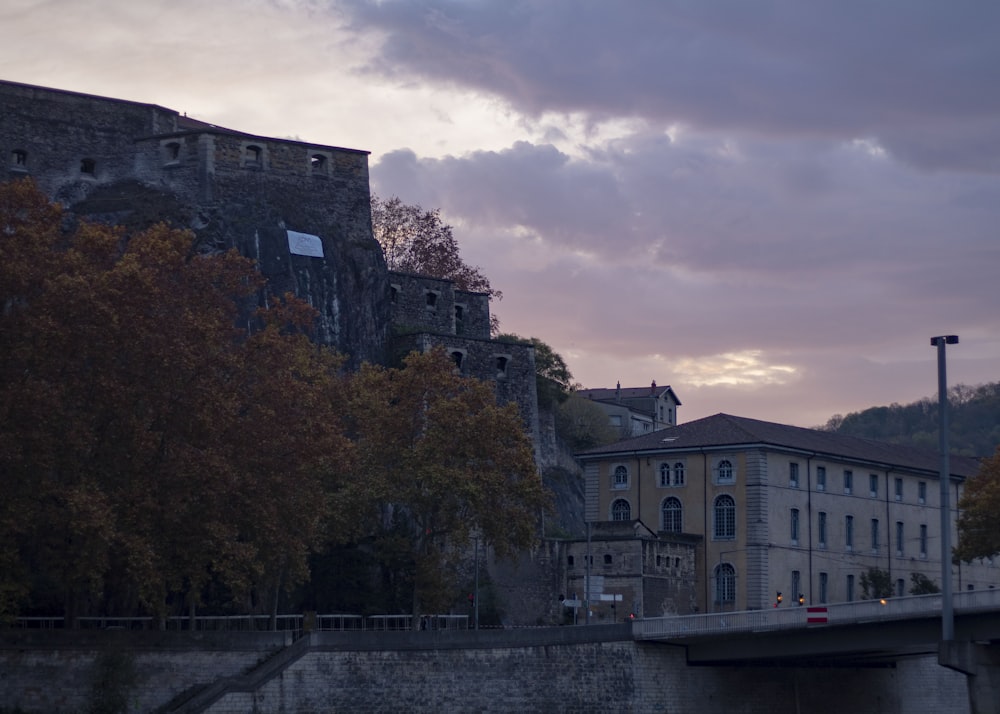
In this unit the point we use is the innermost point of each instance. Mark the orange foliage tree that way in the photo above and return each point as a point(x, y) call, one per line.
point(148, 446)
point(443, 464)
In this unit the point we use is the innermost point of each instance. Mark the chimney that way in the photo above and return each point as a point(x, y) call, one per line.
point(618, 392)
point(652, 389)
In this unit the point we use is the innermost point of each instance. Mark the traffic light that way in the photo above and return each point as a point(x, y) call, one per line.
point(778, 600)
point(802, 599)
point(631, 616)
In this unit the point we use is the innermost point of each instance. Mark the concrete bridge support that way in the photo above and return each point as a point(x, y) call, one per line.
point(980, 663)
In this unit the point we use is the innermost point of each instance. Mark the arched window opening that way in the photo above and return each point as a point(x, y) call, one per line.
point(725, 518)
point(725, 470)
point(725, 583)
point(621, 510)
point(672, 522)
point(620, 479)
point(679, 474)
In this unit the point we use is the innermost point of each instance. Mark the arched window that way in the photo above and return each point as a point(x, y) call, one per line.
point(672, 515)
point(679, 473)
point(621, 510)
point(620, 478)
point(725, 518)
point(725, 470)
point(664, 474)
point(252, 155)
point(725, 583)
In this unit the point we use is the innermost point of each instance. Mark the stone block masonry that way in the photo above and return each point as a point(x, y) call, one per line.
point(560, 669)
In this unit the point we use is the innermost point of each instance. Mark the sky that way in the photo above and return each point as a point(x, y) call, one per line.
point(769, 205)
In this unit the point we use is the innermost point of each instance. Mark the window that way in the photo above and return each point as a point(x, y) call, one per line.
point(615, 419)
point(824, 587)
point(672, 515)
point(850, 588)
point(849, 532)
point(725, 583)
point(724, 471)
point(621, 510)
point(569, 560)
point(318, 164)
point(430, 300)
point(821, 530)
point(502, 362)
point(607, 559)
point(459, 320)
point(899, 538)
point(393, 294)
point(172, 152)
point(679, 473)
point(898, 489)
point(664, 474)
point(620, 477)
point(900, 588)
point(821, 478)
point(873, 485)
point(19, 159)
point(875, 538)
point(795, 526)
point(725, 518)
point(793, 475)
point(796, 584)
point(848, 481)
point(88, 166)
point(923, 541)
point(458, 357)
point(252, 155)
point(922, 492)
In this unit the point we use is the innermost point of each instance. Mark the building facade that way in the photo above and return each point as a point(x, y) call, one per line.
point(634, 411)
point(781, 509)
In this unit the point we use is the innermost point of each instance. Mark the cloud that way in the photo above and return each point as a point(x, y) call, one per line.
point(908, 74)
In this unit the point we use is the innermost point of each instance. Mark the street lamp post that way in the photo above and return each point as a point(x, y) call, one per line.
point(947, 612)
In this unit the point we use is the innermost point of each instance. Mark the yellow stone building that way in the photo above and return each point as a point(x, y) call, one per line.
point(782, 509)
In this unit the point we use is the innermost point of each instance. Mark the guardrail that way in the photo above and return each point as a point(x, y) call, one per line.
point(795, 616)
point(256, 623)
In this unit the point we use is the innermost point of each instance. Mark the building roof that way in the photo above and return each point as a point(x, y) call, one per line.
point(724, 431)
point(621, 393)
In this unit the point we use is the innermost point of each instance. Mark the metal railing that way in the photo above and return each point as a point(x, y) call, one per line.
point(255, 623)
point(795, 616)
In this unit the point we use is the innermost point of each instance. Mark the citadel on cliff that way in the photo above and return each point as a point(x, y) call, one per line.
point(302, 211)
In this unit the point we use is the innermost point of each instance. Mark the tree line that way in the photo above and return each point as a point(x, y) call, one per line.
point(162, 454)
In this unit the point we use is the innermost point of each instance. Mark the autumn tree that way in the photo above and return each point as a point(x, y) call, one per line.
point(979, 513)
point(417, 241)
point(443, 463)
point(148, 445)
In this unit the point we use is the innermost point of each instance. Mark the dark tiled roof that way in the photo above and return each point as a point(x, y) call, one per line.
point(725, 430)
point(609, 395)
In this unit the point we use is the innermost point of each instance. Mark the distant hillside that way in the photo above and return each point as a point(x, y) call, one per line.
point(973, 416)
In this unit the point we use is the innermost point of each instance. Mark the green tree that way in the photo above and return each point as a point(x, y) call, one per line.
point(920, 584)
point(875, 584)
point(979, 513)
point(442, 463)
point(552, 377)
point(581, 424)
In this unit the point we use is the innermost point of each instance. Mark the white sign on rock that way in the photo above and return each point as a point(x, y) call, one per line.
point(305, 244)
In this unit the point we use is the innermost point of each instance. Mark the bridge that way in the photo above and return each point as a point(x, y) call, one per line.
point(860, 633)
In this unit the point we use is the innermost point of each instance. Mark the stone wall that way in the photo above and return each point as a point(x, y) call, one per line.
point(57, 671)
point(577, 669)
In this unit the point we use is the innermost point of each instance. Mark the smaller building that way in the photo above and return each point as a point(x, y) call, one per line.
point(635, 411)
point(632, 570)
